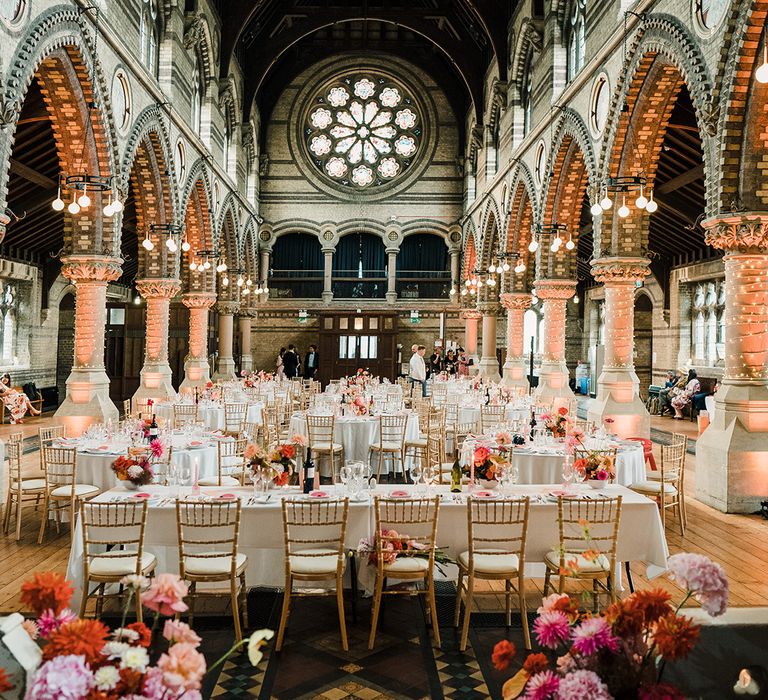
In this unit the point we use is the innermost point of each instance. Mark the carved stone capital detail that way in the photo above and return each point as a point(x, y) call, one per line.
point(488, 308)
point(739, 233)
point(158, 288)
point(555, 289)
point(198, 301)
point(516, 301)
point(628, 270)
point(247, 312)
point(471, 314)
point(227, 308)
point(91, 268)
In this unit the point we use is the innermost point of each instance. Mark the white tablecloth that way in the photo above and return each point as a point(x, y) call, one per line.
point(641, 537)
point(357, 435)
point(211, 415)
point(470, 414)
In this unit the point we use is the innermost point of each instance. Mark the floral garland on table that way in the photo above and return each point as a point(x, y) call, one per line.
point(280, 460)
point(138, 468)
point(251, 379)
point(85, 660)
point(396, 545)
point(622, 652)
point(558, 423)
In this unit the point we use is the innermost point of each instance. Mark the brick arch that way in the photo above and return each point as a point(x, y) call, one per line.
point(519, 234)
point(251, 251)
point(197, 226)
point(490, 232)
point(198, 173)
point(571, 125)
point(562, 205)
point(741, 124)
point(198, 37)
point(228, 236)
point(470, 255)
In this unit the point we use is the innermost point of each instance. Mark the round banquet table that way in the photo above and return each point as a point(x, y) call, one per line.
point(471, 414)
point(357, 434)
point(544, 465)
point(211, 414)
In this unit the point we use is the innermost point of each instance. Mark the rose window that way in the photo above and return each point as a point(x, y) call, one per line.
point(363, 131)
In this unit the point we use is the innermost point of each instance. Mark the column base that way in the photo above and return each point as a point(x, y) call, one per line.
point(391, 297)
point(246, 363)
point(327, 297)
point(489, 369)
point(87, 401)
point(617, 398)
point(155, 383)
point(514, 374)
point(553, 383)
point(732, 453)
point(225, 369)
point(197, 373)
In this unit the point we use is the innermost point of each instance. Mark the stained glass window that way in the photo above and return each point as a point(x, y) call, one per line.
point(363, 130)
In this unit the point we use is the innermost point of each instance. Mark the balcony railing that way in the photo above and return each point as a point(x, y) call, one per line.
point(423, 284)
point(296, 284)
point(350, 284)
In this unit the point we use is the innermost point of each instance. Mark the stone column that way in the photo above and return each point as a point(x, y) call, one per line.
point(456, 276)
point(225, 368)
point(87, 399)
point(391, 275)
point(489, 362)
point(197, 371)
point(246, 358)
point(264, 274)
point(618, 386)
point(514, 367)
point(156, 373)
point(471, 317)
point(328, 275)
point(732, 453)
point(553, 375)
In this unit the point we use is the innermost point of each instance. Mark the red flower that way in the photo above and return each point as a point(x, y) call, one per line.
point(282, 479)
point(654, 603)
point(675, 636)
point(145, 634)
point(5, 684)
point(46, 591)
point(503, 653)
point(535, 663)
point(563, 411)
point(288, 451)
point(660, 691)
point(481, 454)
point(79, 638)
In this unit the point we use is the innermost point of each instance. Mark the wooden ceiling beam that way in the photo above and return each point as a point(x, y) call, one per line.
point(31, 175)
point(681, 180)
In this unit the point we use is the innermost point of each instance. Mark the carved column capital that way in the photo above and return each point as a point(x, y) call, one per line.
point(91, 268)
point(515, 301)
point(629, 270)
point(488, 308)
point(555, 289)
point(227, 307)
point(158, 288)
point(471, 315)
point(738, 233)
point(198, 301)
point(247, 312)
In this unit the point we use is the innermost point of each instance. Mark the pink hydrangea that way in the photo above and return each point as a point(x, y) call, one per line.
point(542, 686)
point(183, 667)
point(551, 629)
point(593, 635)
point(63, 677)
point(703, 577)
point(580, 685)
point(166, 595)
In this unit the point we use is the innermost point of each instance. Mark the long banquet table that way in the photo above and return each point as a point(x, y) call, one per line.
point(641, 536)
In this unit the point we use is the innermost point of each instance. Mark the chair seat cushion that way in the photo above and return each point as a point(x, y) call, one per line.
point(81, 491)
point(326, 447)
point(582, 565)
point(213, 481)
point(213, 566)
point(29, 484)
point(420, 442)
point(388, 446)
point(652, 486)
point(110, 564)
point(407, 565)
point(323, 561)
point(491, 561)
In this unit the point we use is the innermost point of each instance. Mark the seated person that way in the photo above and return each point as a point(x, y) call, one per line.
point(684, 397)
point(664, 392)
point(16, 402)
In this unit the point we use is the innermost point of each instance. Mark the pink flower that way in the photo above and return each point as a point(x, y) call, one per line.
point(157, 447)
point(503, 438)
point(703, 577)
point(180, 633)
point(63, 677)
point(299, 439)
point(602, 475)
point(243, 373)
point(592, 635)
point(549, 602)
point(183, 667)
point(565, 664)
point(166, 595)
point(48, 622)
point(583, 684)
point(551, 629)
point(542, 686)
point(481, 454)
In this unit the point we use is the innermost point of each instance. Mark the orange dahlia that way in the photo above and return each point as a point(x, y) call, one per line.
point(654, 604)
point(535, 663)
point(79, 638)
point(675, 636)
point(625, 619)
point(503, 653)
point(46, 590)
point(145, 634)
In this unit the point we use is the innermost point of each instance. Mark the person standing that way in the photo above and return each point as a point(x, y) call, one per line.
point(290, 362)
point(311, 363)
point(417, 371)
point(280, 369)
point(435, 363)
point(462, 363)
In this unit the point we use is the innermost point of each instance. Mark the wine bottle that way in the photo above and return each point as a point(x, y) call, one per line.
point(533, 422)
point(456, 473)
point(154, 431)
point(309, 472)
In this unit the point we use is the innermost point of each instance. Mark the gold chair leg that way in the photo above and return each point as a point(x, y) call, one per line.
point(18, 516)
point(234, 597)
point(7, 515)
point(43, 520)
point(244, 600)
point(561, 585)
point(524, 612)
point(508, 599)
point(284, 613)
point(457, 611)
point(547, 575)
point(99, 600)
point(433, 611)
point(192, 596)
point(342, 620)
point(375, 611)
point(467, 612)
point(595, 596)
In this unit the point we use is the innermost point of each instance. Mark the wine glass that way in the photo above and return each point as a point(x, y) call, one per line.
point(568, 472)
point(185, 474)
point(345, 474)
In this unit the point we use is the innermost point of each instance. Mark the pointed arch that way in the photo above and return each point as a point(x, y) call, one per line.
point(521, 222)
point(228, 228)
point(491, 231)
point(470, 254)
point(197, 37)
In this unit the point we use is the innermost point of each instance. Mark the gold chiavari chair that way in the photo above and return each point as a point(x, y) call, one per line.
point(456, 432)
point(391, 442)
point(314, 534)
point(208, 534)
point(320, 439)
point(270, 424)
point(20, 489)
point(185, 414)
point(433, 422)
point(231, 463)
point(145, 409)
point(497, 532)
point(416, 521)
point(251, 431)
point(61, 487)
point(126, 408)
point(47, 435)
point(578, 557)
point(234, 417)
point(491, 417)
point(119, 528)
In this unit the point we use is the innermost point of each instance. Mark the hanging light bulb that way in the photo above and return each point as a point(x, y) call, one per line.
point(84, 200)
point(117, 206)
point(170, 243)
point(472, 291)
point(246, 291)
point(137, 299)
point(240, 281)
point(570, 245)
point(58, 203)
point(534, 300)
point(491, 268)
point(223, 265)
point(479, 284)
point(266, 291)
point(452, 292)
point(520, 267)
point(108, 210)
point(576, 299)
point(596, 209)
point(466, 282)
point(506, 267)
point(225, 281)
point(248, 282)
point(185, 245)
point(147, 244)
point(533, 246)
point(463, 292)
point(606, 203)
point(74, 207)
point(761, 74)
point(623, 209)
point(491, 282)
point(554, 247)
point(652, 206)
point(558, 241)
point(641, 201)
point(200, 267)
point(193, 265)
point(207, 264)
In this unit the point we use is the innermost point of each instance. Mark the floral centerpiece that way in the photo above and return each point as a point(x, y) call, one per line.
point(211, 392)
point(136, 469)
point(278, 462)
point(596, 465)
point(354, 398)
point(394, 545)
point(251, 379)
point(84, 659)
point(485, 463)
point(557, 423)
point(621, 653)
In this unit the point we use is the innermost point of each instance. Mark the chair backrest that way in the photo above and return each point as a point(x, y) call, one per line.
point(13, 452)
point(126, 408)
point(232, 456)
point(422, 408)
point(498, 525)
point(392, 429)
point(270, 424)
point(312, 525)
point(144, 408)
point(120, 525)
point(412, 519)
point(234, 416)
point(589, 525)
point(251, 431)
point(17, 438)
point(50, 433)
point(208, 530)
point(184, 413)
point(585, 426)
point(162, 467)
point(673, 463)
point(320, 429)
point(491, 417)
point(60, 465)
